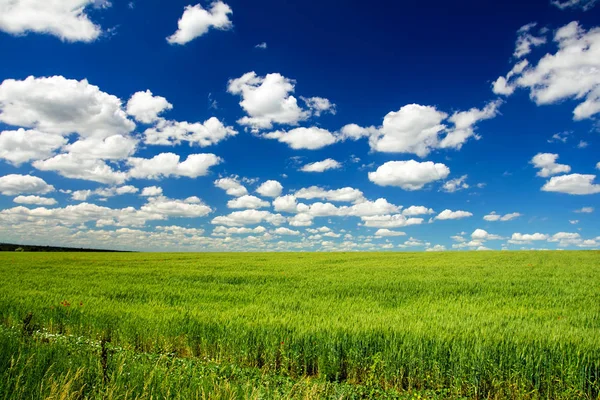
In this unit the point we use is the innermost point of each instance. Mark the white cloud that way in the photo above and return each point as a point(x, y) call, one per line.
point(152, 191)
point(37, 200)
point(585, 210)
point(231, 186)
point(248, 217)
point(419, 129)
point(196, 21)
point(286, 203)
point(370, 208)
point(62, 106)
point(116, 147)
point(270, 189)
point(388, 233)
point(224, 231)
point(482, 235)
point(83, 195)
point(346, 194)
point(167, 165)
point(560, 137)
point(267, 100)
point(448, 214)
point(455, 185)
point(76, 167)
point(464, 124)
point(145, 107)
point(21, 146)
point(65, 19)
point(319, 105)
point(286, 231)
point(312, 138)
point(493, 217)
point(417, 210)
point(409, 175)
point(573, 72)
point(321, 166)
point(437, 247)
point(526, 41)
point(546, 162)
point(582, 144)
point(176, 208)
point(390, 221)
point(582, 4)
point(301, 220)
point(576, 184)
point(11, 185)
point(247, 201)
point(170, 133)
point(262, 46)
point(518, 238)
point(573, 221)
point(412, 129)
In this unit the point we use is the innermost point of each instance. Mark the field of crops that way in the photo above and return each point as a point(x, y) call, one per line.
point(367, 325)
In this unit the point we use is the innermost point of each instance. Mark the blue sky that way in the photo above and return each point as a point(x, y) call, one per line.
point(218, 126)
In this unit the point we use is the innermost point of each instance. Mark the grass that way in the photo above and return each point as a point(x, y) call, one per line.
point(362, 325)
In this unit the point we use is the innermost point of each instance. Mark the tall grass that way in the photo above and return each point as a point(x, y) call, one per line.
point(479, 325)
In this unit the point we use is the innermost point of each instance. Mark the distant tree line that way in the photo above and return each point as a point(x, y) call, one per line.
point(28, 248)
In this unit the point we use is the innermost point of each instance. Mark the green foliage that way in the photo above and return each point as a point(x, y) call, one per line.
point(375, 325)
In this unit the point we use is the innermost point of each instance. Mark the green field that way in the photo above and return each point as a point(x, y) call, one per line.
point(364, 325)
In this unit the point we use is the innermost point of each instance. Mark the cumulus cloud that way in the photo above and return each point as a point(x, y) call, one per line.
point(166, 165)
point(247, 201)
point(585, 210)
point(449, 214)
point(196, 21)
point(390, 221)
point(267, 100)
point(83, 195)
point(66, 19)
point(232, 186)
point(346, 194)
point(572, 72)
point(417, 210)
point(286, 231)
point(248, 217)
point(493, 217)
point(321, 166)
point(116, 147)
point(270, 189)
point(482, 235)
point(157, 208)
point(455, 185)
point(526, 41)
point(145, 107)
point(585, 5)
point(546, 163)
point(78, 167)
point(576, 184)
point(61, 106)
point(419, 129)
point(388, 233)
point(304, 138)
point(21, 146)
point(151, 191)
point(518, 238)
point(409, 175)
point(224, 231)
point(170, 133)
point(14, 184)
point(36, 200)
point(319, 105)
